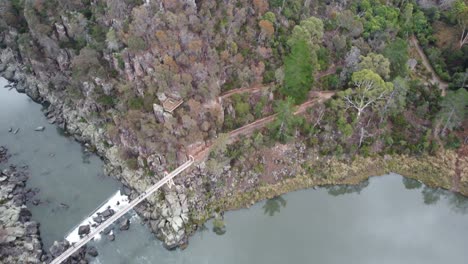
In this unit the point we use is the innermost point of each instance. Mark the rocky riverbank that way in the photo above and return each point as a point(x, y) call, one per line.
point(19, 235)
point(20, 240)
point(437, 171)
point(167, 218)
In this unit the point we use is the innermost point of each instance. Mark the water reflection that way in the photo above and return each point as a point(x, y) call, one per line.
point(336, 190)
point(430, 195)
point(219, 227)
point(85, 156)
point(411, 183)
point(273, 205)
point(386, 223)
point(458, 203)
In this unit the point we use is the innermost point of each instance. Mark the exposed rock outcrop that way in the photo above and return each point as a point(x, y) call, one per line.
point(19, 235)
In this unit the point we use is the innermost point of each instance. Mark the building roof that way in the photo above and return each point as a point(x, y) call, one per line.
point(170, 105)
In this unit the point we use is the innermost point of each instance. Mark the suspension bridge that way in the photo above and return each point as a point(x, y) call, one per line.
point(167, 179)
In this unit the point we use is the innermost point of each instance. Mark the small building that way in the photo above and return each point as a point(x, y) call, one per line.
point(170, 104)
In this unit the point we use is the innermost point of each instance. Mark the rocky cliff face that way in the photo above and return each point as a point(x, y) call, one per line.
point(102, 66)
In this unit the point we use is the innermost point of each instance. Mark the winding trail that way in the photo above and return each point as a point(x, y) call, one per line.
point(258, 87)
point(435, 78)
point(253, 89)
point(316, 97)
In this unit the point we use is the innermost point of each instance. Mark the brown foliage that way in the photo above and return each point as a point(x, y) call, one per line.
point(267, 27)
point(195, 46)
point(261, 6)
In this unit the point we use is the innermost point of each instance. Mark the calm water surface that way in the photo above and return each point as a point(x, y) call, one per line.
point(392, 221)
point(386, 220)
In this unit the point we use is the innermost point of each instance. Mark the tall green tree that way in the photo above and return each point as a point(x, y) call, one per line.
point(454, 109)
point(298, 71)
point(397, 53)
point(370, 91)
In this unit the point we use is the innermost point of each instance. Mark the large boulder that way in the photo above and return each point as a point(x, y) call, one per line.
point(58, 248)
point(158, 113)
point(84, 230)
point(98, 219)
point(107, 213)
point(92, 251)
point(125, 225)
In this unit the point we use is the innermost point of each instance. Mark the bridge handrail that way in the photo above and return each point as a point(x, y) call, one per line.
point(120, 213)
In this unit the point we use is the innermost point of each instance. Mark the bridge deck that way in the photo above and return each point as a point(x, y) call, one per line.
point(120, 213)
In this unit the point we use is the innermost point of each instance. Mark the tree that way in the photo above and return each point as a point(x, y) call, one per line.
point(347, 21)
point(270, 16)
point(339, 43)
point(406, 19)
point(397, 53)
point(285, 122)
point(376, 63)
point(309, 30)
point(351, 63)
point(298, 34)
point(460, 11)
point(298, 72)
point(112, 40)
point(454, 109)
point(315, 27)
point(370, 91)
point(261, 5)
point(397, 99)
point(87, 64)
point(267, 27)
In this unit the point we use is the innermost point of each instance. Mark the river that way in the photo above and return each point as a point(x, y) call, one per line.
point(71, 182)
point(388, 219)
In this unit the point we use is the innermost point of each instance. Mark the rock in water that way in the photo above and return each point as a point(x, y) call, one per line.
point(16, 131)
point(107, 213)
point(10, 129)
point(111, 237)
point(84, 230)
point(58, 248)
point(98, 219)
point(125, 225)
point(39, 128)
point(92, 251)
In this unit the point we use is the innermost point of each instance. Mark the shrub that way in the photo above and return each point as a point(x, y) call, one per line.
point(136, 43)
point(132, 163)
point(135, 103)
point(452, 142)
point(331, 82)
